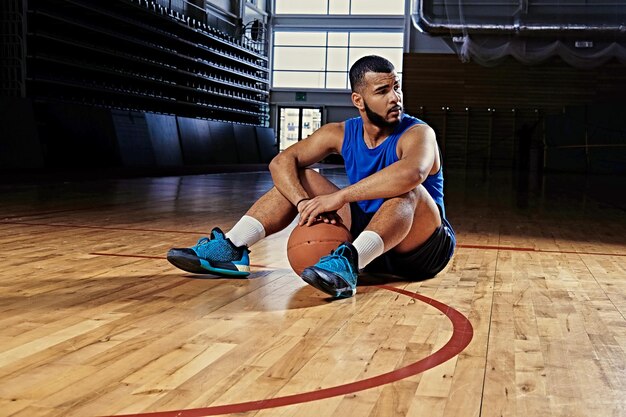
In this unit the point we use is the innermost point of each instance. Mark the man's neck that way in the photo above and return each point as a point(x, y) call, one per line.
point(375, 135)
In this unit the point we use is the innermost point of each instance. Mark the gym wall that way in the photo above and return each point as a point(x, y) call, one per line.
point(573, 119)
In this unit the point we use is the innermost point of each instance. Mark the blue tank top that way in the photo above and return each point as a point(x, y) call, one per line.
point(361, 162)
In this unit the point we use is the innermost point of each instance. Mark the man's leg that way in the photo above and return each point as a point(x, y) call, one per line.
point(227, 254)
point(401, 224)
point(425, 249)
point(405, 222)
point(275, 212)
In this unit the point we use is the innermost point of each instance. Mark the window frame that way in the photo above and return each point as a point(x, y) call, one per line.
point(349, 49)
point(350, 13)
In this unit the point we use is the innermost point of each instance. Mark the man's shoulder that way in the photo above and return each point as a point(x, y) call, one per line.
point(330, 132)
point(416, 133)
point(413, 126)
point(334, 127)
point(409, 120)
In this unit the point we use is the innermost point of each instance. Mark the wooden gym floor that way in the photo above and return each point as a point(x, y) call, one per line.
point(527, 320)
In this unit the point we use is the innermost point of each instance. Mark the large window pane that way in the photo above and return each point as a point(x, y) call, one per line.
point(300, 38)
point(337, 59)
point(393, 55)
point(337, 80)
point(299, 58)
point(371, 39)
point(338, 39)
point(301, 7)
point(339, 7)
point(299, 79)
point(377, 7)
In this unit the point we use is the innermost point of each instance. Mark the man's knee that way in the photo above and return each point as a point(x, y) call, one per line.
point(307, 174)
point(315, 183)
point(417, 204)
point(410, 198)
point(422, 200)
point(415, 194)
point(399, 208)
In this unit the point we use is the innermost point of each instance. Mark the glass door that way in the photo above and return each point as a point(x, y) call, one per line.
point(311, 121)
point(297, 123)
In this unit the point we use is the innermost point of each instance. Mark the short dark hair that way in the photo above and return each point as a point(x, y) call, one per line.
point(370, 63)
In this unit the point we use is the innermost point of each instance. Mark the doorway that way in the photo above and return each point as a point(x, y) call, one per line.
point(297, 123)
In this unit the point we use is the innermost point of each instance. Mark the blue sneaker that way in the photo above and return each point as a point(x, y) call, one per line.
point(215, 255)
point(336, 273)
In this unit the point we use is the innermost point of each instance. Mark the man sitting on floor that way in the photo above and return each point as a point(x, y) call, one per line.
point(393, 205)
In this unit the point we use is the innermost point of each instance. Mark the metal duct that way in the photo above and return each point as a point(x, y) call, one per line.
point(522, 23)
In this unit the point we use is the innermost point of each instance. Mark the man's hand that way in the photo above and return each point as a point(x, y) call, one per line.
point(321, 208)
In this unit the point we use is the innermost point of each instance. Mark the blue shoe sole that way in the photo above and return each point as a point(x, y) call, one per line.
point(312, 278)
point(198, 265)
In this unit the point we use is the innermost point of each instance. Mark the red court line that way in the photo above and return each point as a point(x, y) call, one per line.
point(495, 247)
point(121, 229)
point(46, 213)
point(74, 209)
point(465, 246)
point(522, 249)
point(461, 337)
point(579, 253)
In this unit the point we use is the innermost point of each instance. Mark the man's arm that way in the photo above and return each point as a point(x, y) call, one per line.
point(284, 167)
point(417, 152)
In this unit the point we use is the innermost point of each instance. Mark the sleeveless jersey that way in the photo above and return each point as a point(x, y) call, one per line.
point(361, 162)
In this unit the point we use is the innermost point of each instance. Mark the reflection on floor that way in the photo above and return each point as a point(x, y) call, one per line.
point(95, 322)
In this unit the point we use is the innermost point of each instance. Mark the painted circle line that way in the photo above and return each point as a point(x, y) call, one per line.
point(461, 336)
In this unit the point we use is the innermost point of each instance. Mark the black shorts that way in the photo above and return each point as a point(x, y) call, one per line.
point(423, 262)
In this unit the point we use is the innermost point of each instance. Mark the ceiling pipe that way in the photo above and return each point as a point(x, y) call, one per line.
point(423, 23)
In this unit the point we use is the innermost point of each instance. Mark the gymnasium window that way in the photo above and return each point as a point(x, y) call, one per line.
point(321, 59)
point(340, 7)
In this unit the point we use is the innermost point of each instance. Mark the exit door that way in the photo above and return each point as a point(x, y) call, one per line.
point(297, 123)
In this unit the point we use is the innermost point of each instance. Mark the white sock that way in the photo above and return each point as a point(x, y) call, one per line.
point(369, 245)
point(247, 231)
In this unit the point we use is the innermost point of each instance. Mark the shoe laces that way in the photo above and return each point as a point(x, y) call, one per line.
point(215, 235)
point(203, 241)
point(338, 260)
point(217, 248)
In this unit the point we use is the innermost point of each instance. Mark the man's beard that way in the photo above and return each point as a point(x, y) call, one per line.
point(377, 119)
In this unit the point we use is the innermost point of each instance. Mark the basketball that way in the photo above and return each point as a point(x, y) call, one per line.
point(307, 244)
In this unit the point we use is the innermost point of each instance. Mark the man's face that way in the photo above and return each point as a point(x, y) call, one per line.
point(382, 98)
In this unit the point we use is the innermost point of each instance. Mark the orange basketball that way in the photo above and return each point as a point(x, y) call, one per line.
point(307, 244)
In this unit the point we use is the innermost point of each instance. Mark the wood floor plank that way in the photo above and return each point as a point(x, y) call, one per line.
point(94, 321)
